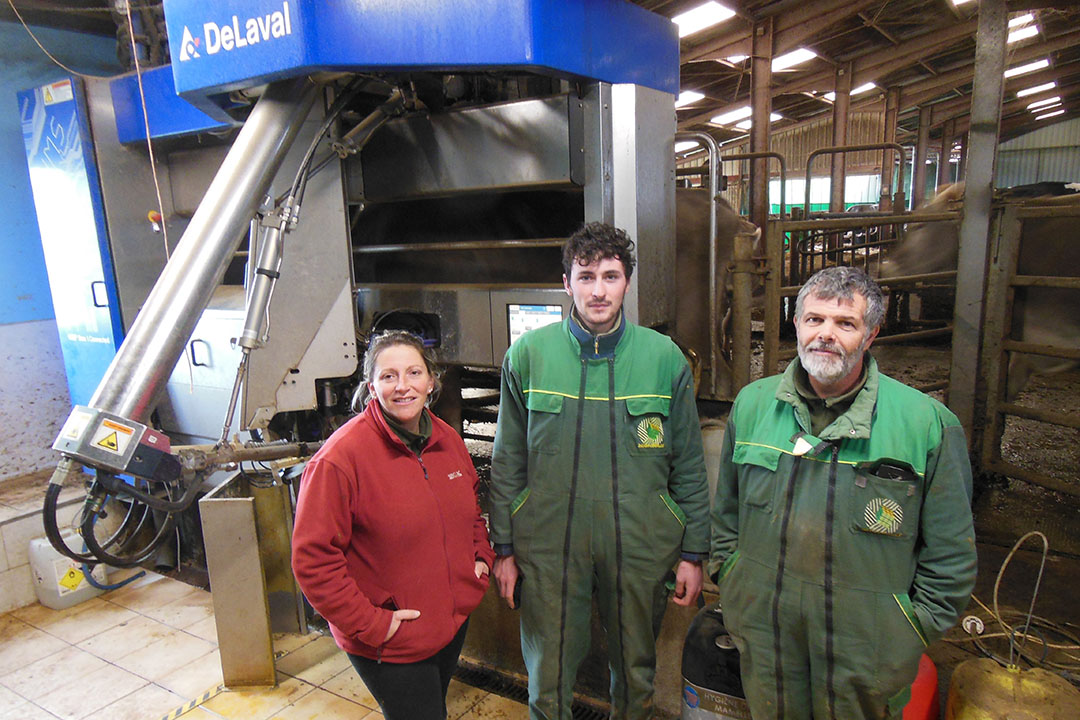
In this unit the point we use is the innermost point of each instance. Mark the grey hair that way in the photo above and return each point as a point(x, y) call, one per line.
point(844, 282)
point(380, 342)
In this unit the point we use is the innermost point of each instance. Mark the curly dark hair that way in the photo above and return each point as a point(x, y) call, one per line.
point(598, 241)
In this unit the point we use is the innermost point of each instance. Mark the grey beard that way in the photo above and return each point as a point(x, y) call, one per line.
point(829, 370)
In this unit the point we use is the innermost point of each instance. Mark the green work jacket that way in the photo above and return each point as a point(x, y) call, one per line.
point(583, 438)
point(895, 519)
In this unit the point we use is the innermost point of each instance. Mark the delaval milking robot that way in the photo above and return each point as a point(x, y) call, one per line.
point(397, 164)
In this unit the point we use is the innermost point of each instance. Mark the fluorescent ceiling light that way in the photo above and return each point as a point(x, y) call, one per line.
point(686, 145)
point(736, 58)
point(1051, 114)
point(831, 96)
point(1021, 20)
point(688, 96)
point(1043, 103)
point(733, 116)
point(1044, 108)
point(1030, 67)
point(1022, 33)
point(958, 3)
point(1037, 89)
point(791, 59)
point(745, 124)
point(701, 17)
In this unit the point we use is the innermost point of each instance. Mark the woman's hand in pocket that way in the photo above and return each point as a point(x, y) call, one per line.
point(399, 617)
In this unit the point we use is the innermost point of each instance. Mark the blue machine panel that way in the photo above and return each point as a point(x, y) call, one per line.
point(67, 198)
point(169, 114)
point(228, 44)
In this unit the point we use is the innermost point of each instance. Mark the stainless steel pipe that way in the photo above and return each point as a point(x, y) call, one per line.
point(136, 378)
point(714, 192)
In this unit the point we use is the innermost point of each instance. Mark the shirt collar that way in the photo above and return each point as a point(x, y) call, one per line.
point(597, 346)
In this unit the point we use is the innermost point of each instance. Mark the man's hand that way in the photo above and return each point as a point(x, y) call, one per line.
point(506, 575)
point(688, 581)
point(399, 617)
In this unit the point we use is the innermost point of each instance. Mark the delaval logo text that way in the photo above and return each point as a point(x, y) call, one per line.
point(236, 34)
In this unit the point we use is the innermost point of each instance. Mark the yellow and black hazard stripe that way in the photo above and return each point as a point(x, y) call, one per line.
point(192, 704)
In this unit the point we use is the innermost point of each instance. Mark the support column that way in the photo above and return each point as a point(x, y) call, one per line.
point(944, 171)
point(840, 109)
point(888, 157)
point(761, 108)
point(966, 390)
point(918, 171)
point(961, 167)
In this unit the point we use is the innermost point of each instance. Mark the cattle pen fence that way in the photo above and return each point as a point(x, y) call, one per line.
point(798, 247)
point(1000, 341)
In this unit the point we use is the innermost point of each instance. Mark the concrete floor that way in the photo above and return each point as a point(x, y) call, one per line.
point(152, 645)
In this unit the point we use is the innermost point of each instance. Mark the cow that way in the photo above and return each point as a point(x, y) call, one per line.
point(691, 327)
point(1043, 316)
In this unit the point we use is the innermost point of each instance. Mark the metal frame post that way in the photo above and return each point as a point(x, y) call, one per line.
point(888, 161)
point(839, 137)
point(918, 172)
point(761, 109)
point(964, 380)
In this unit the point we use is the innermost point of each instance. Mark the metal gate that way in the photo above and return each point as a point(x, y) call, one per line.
point(1000, 342)
point(797, 248)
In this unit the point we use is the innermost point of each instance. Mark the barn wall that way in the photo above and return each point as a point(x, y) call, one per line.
point(1048, 154)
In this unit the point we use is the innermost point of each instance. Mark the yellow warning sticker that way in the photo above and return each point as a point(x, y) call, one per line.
point(57, 92)
point(112, 436)
point(72, 579)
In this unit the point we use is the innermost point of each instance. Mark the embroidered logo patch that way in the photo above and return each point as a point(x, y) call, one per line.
point(650, 433)
point(883, 516)
point(455, 474)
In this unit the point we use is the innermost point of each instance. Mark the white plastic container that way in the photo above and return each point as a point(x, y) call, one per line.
point(59, 581)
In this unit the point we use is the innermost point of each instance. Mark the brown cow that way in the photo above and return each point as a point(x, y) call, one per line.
point(1048, 246)
point(691, 327)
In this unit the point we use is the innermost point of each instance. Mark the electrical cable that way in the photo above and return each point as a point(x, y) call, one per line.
point(1035, 628)
point(146, 127)
point(47, 53)
point(88, 571)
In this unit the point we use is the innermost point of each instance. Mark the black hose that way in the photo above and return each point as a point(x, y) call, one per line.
point(130, 560)
point(338, 105)
point(52, 531)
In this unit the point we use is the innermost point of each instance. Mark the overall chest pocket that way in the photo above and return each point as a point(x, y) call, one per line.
point(647, 426)
point(757, 467)
point(886, 495)
point(545, 422)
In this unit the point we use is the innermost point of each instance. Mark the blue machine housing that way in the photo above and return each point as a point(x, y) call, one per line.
point(231, 44)
point(67, 198)
point(168, 114)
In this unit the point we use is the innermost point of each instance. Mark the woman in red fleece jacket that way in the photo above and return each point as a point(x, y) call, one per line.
point(388, 544)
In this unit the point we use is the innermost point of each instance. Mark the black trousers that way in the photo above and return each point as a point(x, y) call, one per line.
point(412, 691)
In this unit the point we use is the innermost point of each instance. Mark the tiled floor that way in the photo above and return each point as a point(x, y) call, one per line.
point(147, 649)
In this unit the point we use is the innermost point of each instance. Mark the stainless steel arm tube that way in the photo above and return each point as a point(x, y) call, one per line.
point(134, 381)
